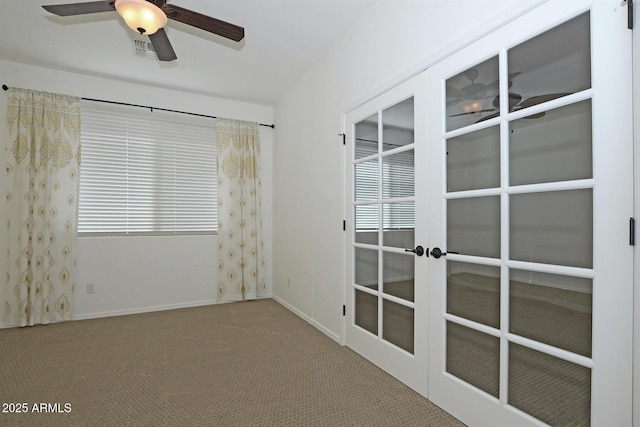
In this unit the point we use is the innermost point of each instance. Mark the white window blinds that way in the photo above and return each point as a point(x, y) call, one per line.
point(145, 172)
point(395, 182)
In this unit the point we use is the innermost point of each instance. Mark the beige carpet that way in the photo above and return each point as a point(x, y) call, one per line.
point(240, 364)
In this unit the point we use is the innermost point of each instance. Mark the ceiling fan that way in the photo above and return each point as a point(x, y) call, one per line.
point(470, 97)
point(149, 17)
point(517, 103)
point(473, 90)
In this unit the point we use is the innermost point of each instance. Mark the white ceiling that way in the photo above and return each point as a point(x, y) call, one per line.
point(283, 38)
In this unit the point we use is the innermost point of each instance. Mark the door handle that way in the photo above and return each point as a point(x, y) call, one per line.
point(419, 250)
point(437, 252)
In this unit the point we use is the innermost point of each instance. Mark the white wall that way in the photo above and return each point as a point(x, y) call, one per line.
point(136, 274)
point(391, 41)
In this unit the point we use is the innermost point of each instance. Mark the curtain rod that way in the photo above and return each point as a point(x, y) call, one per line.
point(272, 126)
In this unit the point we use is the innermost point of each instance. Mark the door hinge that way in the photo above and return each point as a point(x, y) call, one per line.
point(344, 310)
point(344, 225)
point(630, 14)
point(632, 231)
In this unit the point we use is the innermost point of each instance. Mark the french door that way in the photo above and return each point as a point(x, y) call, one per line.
point(488, 204)
point(530, 194)
point(386, 274)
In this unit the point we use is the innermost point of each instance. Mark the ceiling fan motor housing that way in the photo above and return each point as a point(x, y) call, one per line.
point(141, 15)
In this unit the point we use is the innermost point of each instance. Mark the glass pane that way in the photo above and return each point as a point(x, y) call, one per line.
point(473, 226)
point(473, 292)
point(552, 309)
point(555, 147)
point(397, 125)
point(367, 180)
point(398, 274)
point(471, 95)
point(553, 390)
point(398, 175)
point(366, 267)
point(366, 137)
point(397, 325)
point(367, 224)
point(473, 160)
point(366, 313)
point(553, 228)
point(551, 65)
point(399, 223)
point(473, 357)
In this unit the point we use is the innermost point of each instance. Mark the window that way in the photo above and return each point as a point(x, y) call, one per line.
point(146, 172)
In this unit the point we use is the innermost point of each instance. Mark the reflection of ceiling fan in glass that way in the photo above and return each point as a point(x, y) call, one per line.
point(473, 97)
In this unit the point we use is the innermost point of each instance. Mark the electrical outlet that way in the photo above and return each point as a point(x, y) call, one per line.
point(91, 288)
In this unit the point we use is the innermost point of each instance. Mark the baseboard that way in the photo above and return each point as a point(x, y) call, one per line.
point(309, 320)
point(15, 325)
point(140, 310)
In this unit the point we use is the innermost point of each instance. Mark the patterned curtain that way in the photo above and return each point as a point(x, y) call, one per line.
point(43, 153)
point(241, 263)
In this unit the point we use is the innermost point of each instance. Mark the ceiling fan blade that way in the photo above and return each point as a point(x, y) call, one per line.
point(490, 116)
point(80, 8)
point(514, 100)
point(533, 116)
point(207, 23)
point(162, 45)
point(473, 112)
point(539, 99)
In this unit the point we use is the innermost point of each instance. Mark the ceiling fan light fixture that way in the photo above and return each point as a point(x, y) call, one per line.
point(472, 105)
point(141, 16)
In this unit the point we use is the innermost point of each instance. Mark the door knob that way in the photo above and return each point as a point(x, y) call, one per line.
point(437, 253)
point(419, 250)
